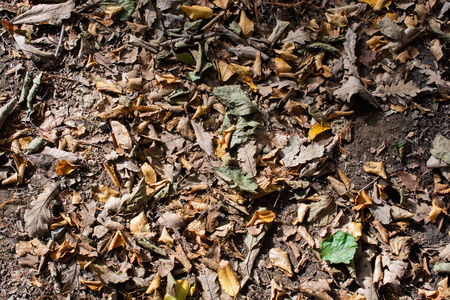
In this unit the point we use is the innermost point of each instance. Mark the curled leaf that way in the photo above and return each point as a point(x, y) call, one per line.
point(376, 168)
point(280, 259)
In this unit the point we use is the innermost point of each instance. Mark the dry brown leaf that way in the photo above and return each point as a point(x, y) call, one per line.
point(376, 168)
point(139, 224)
point(52, 14)
point(361, 200)
point(225, 71)
point(378, 4)
point(108, 88)
point(280, 259)
point(228, 278)
point(261, 217)
point(436, 49)
point(64, 168)
point(117, 240)
point(154, 284)
point(112, 174)
point(96, 286)
point(435, 212)
point(166, 238)
point(149, 173)
point(338, 19)
point(306, 236)
point(355, 229)
point(196, 12)
point(121, 137)
point(246, 24)
point(103, 193)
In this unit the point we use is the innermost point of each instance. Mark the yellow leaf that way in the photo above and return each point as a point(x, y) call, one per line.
point(96, 286)
point(154, 285)
point(149, 173)
point(376, 42)
point(228, 278)
point(112, 174)
point(116, 241)
point(107, 87)
point(376, 168)
point(281, 66)
point(280, 259)
point(225, 71)
point(361, 200)
point(435, 212)
point(103, 193)
point(139, 224)
point(165, 79)
point(377, 4)
point(166, 238)
point(338, 19)
point(196, 12)
point(246, 24)
point(261, 217)
point(245, 72)
point(317, 129)
point(64, 167)
point(355, 229)
point(201, 110)
point(111, 11)
point(182, 289)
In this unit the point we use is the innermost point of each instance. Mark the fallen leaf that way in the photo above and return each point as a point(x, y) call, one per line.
point(139, 224)
point(353, 87)
point(52, 14)
point(154, 284)
point(261, 217)
point(246, 157)
point(228, 278)
point(322, 212)
point(376, 168)
point(361, 200)
point(204, 139)
point(237, 179)
point(65, 168)
point(121, 137)
point(96, 286)
point(38, 217)
point(280, 259)
point(338, 248)
point(234, 98)
point(108, 88)
point(246, 24)
point(149, 173)
point(196, 12)
point(317, 129)
point(209, 285)
point(225, 71)
point(378, 4)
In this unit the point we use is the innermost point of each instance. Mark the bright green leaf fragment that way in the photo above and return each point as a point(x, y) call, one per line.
point(128, 7)
point(338, 248)
point(441, 148)
point(234, 98)
point(236, 178)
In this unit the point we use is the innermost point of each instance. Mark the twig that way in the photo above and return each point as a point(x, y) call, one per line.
point(213, 21)
point(60, 40)
point(369, 184)
point(189, 39)
point(44, 257)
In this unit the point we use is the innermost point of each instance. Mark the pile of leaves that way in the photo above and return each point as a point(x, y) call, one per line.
point(187, 149)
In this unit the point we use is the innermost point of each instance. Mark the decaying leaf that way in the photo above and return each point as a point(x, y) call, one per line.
point(52, 14)
point(280, 259)
point(376, 168)
point(237, 179)
point(209, 284)
point(261, 217)
point(228, 278)
point(96, 286)
point(65, 168)
point(38, 217)
point(204, 139)
point(196, 12)
point(246, 24)
point(139, 224)
point(322, 212)
point(353, 87)
point(234, 98)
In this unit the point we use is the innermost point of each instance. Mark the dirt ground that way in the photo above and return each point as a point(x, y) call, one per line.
point(69, 98)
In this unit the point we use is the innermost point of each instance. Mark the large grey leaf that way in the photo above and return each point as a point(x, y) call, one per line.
point(209, 284)
point(52, 14)
point(299, 36)
point(354, 87)
point(38, 216)
point(204, 139)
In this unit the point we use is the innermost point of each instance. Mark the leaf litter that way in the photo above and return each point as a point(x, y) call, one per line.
point(174, 150)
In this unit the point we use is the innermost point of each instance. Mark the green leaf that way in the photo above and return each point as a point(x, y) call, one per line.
point(245, 127)
point(338, 248)
point(128, 7)
point(236, 178)
point(441, 148)
point(234, 98)
point(136, 199)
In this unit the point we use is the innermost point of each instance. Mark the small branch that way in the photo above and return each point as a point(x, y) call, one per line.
point(189, 39)
point(44, 257)
point(60, 40)
point(213, 21)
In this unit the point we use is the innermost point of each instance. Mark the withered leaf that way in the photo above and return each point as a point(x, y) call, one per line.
point(38, 217)
point(280, 259)
point(246, 157)
point(204, 139)
point(228, 278)
point(209, 284)
point(52, 14)
point(70, 277)
point(322, 212)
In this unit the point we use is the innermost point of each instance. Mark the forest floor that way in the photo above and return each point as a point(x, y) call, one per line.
point(224, 149)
